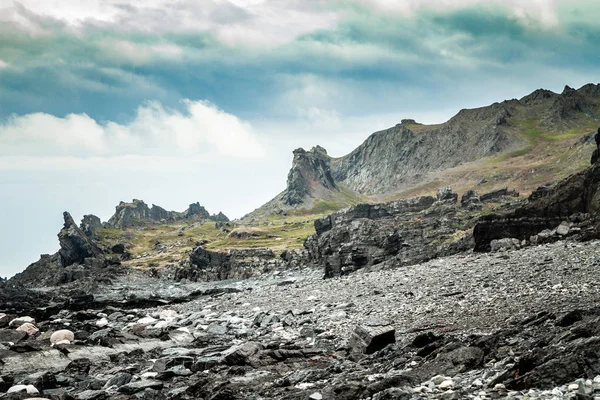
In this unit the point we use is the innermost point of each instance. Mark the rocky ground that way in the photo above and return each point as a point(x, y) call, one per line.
point(518, 324)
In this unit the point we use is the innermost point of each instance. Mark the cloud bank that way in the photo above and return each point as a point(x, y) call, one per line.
point(202, 131)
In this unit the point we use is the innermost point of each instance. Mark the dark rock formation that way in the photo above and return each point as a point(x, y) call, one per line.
point(75, 245)
point(498, 194)
point(575, 199)
point(127, 214)
point(596, 154)
point(368, 339)
point(138, 212)
point(196, 210)
point(219, 218)
point(470, 200)
point(310, 175)
point(445, 193)
point(400, 233)
point(89, 224)
point(208, 265)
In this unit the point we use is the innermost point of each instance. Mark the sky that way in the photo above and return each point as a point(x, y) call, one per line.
point(178, 101)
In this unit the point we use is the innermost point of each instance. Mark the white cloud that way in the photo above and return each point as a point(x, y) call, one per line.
point(203, 131)
point(3, 64)
point(235, 21)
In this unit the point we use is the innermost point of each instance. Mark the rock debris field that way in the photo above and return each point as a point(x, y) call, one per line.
point(520, 324)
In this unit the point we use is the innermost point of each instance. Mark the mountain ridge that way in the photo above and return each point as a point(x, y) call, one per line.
point(402, 158)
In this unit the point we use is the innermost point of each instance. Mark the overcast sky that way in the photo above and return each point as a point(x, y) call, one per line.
point(177, 101)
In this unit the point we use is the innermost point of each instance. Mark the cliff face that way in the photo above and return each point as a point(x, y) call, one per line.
point(310, 176)
point(389, 160)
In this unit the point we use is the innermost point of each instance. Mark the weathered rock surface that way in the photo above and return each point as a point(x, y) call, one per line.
point(75, 245)
point(89, 224)
point(310, 176)
point(399, 233)
point(574, 201)
point(137, 212)
point(211, 265)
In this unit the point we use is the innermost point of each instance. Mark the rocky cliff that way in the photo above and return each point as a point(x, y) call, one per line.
point(573, 202)
point(78, 258)
point(309, 177)
point(398, 233)
point(213, 265)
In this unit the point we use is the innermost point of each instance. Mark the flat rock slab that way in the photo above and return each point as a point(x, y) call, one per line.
point(369, 339)
point(134, 387)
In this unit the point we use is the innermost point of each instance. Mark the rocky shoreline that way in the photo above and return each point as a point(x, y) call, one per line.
point(516, 324)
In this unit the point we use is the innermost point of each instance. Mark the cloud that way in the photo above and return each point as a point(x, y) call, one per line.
point(202, 131)
point(263, 59)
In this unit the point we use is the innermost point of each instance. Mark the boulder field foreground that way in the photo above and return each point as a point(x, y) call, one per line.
point(511, 324)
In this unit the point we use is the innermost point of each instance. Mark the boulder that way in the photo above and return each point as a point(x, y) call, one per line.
point(12, 336)
point(368, 339)
point(61, 336)
point(16, 322)
point(445, 194)
point(240, 355)
point(29, 389)
point(28, 328)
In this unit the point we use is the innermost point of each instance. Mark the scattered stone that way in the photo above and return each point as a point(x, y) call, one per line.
point(369, 339)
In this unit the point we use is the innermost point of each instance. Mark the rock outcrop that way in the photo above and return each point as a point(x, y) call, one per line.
point(310, 176)
point(210, 265)
point(138, 213)
point(89, 224)
point(402, 232)
point(575, 200)
point(78, 258)
point(75, 245)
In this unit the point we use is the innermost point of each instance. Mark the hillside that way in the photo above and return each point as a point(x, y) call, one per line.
point(518, 143)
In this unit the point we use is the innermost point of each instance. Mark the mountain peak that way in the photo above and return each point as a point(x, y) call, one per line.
point(310, 175)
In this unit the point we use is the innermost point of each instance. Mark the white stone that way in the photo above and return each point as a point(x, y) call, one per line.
point(438, 379)
point(20, 321)
point(167, 315)
point(28, 328)
point(573, 387)
point(29, 389)
point(316, 396)
point(102, 322)
point(147, 320)
point(447, 384)
point(61, 342)
point(161, 324)
point(338, 315)
point(563, 229)
point(61, 336)
point(304, 385)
